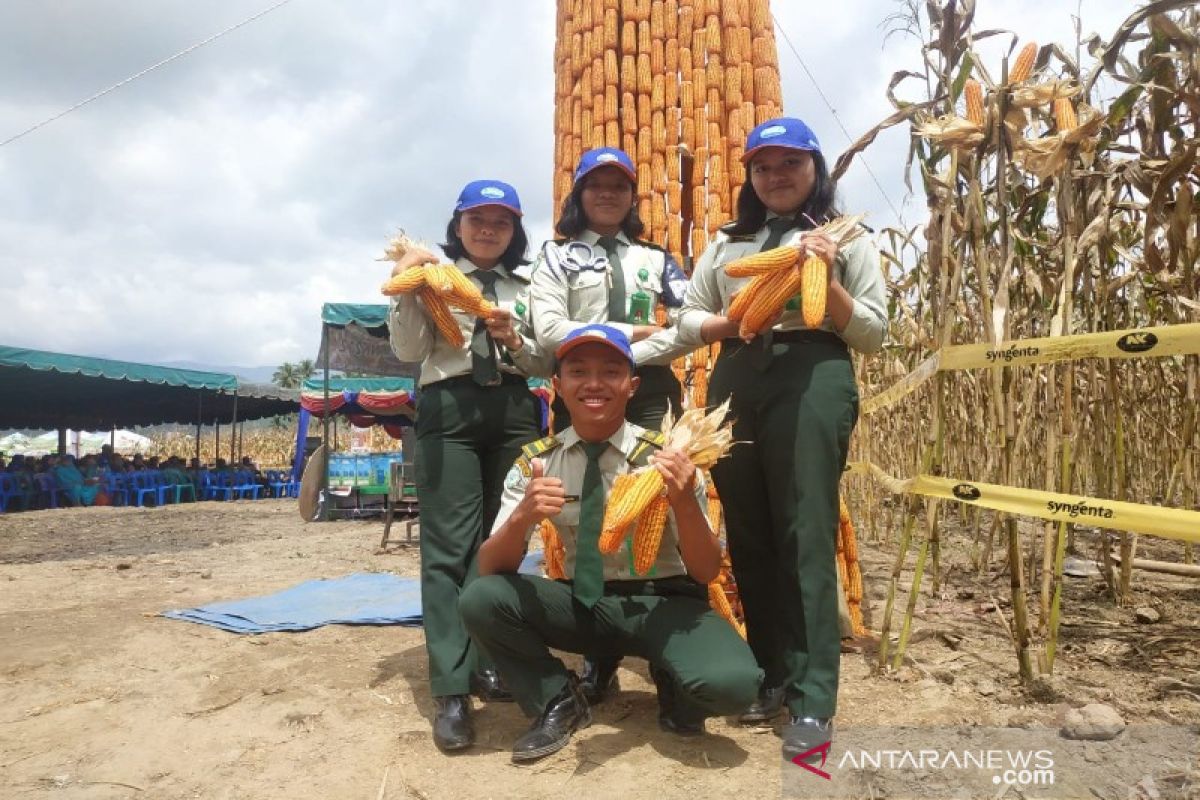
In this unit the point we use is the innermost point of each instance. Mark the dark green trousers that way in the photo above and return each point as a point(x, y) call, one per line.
point(659, 390)
point(780, 495)
point(518, 618)
point(468, 437)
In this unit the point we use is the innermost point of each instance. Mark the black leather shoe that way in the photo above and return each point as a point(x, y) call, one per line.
point(599, 677)
point(673, 716)
point(768, 706)
point(487, 686)
point(452, 728)
point(803, 734)
point(550, 732)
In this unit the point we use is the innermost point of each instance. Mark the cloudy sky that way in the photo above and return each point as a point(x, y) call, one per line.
point(205, 211)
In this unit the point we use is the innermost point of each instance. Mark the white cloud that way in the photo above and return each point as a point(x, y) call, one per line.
point(205, 211)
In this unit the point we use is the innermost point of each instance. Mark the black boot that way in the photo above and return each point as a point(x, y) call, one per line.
point(803, 734)
point(599, 677)
point(487, 686)
point(550, 732)
point(765, 708)
point(452, 728)
point(674, 716)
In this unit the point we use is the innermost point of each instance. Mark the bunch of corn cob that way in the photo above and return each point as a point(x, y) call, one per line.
point(439, 286)
point(705, 438)
point(775, 279)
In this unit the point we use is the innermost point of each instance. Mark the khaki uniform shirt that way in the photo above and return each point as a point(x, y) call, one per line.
point(415, 338)
point(857, 268)
point(568, 461)
point(564, 300)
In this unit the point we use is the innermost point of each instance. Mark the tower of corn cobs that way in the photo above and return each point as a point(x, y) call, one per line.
point(677, 84)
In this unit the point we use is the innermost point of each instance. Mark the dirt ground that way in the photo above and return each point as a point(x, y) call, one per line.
point(100, 697)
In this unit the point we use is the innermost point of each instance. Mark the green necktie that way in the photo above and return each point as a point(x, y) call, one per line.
point(778, 227)
point(589, 565)
point(483, 350)
point(616, 290)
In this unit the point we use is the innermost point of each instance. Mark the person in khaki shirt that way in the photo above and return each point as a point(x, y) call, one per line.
point(699, 663)
point(602, 272)
point(795, 403)
point(474, 413)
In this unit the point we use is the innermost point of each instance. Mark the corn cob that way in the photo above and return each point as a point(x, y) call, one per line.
point(612, 134)
point(764, 54)
point(554, 551)
point(974, 97)
point(720, 603)
point(1023, 66)
point(610, 540)
point(815, 286)
point(406, 282)
point(441, 316)
point(712, 35)
point(629, 38)
point(1064, 115)
point(644, 38)
point(457, 289)
point(767, 261)
point(769, 299)
point(611, 29)
point(647, 537)
point(671, 58)
point(645, 77)
point(745, 297)
point(624, 507)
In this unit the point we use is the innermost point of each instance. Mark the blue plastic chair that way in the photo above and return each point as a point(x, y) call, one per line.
point(48, 489)
point(244, 483)
point(116, 488)
point(217, 484)
point(9, 490)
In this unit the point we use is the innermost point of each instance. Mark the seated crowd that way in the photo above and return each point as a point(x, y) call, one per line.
point(108, 478)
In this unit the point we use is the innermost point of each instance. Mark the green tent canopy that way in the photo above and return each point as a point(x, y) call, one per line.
point(44, 390)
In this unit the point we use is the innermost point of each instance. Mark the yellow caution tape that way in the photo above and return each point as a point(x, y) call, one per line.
point(903, 387)
point(1169, 523)
point(1165, 340)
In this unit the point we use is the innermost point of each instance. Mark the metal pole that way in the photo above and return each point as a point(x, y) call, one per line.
point(199, 422)
point(233, 432)
point(325, 419)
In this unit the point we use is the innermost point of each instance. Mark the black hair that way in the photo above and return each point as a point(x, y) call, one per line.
point(572, 221)
point(513, 256)
point(820, 206)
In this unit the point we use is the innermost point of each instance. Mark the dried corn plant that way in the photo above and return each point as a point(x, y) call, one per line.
point(1062, 200)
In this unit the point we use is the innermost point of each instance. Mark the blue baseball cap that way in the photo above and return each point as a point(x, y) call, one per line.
point(488, 193)
point(786, 132)
point(600, 334)
point(605, 157)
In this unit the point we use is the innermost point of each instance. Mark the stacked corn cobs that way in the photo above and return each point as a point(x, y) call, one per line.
point(849, 569)
point(652, 76)
point(439, 286)
point(775, 280)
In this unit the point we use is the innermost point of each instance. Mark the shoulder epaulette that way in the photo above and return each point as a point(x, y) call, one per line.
point(648, 442)
point(540, 446)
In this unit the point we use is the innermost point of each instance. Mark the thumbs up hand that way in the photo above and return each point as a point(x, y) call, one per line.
point(544, 497)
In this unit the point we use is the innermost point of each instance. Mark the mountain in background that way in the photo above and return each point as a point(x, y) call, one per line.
point(252, 374)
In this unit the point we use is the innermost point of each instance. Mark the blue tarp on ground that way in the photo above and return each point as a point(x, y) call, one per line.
point(359, 599)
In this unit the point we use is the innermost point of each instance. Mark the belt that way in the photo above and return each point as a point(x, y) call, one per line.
point(806, 335)
point(673, 586)
point(459, 381)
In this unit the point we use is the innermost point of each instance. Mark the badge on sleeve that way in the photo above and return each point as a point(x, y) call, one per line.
point(517, 475)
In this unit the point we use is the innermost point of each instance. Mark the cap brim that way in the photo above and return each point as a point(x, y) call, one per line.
point(565, 349)
point(628, 172)
point(513, 209)
point(749, 154)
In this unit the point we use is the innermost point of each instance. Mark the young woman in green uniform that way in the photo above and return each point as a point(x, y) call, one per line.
point(474, 413)
point(795, 403)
